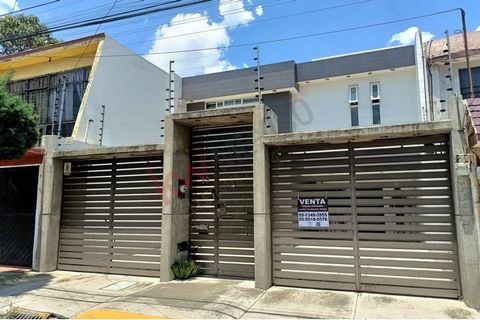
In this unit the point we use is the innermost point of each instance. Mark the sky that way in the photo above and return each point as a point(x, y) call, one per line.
point(231, 28)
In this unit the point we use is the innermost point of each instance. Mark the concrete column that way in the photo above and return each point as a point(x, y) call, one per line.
point(261, 191)
point(175, 213)
point(47, 231)
point(466, 218)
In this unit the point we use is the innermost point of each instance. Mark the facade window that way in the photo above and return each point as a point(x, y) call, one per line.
point(232, 102)
point(250, 101)
point(465, 82)
point(375, 91)
point(353, 94)
point(211, 105)
point(354, 116)
point(376, 113)
point(44, 91)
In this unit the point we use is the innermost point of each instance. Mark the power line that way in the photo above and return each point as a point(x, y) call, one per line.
point(126, 15)
point(257, 21)
point(29, 8)
point(286, 38)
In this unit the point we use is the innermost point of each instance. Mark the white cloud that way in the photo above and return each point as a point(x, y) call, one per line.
point(408, 36)
point(6, 6)
point(198, 31)
point(259, 10)
point(234, 13)
point(478, 28)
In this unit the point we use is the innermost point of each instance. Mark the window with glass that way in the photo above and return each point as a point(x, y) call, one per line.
point(353, 94)
point(376, 113)
point(45, 91)
point(354, 116)
point(465, 82)
point(375, 91)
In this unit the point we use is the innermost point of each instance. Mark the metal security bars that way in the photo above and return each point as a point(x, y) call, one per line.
point(391, 217)
point(221, 213)
point(111, 216)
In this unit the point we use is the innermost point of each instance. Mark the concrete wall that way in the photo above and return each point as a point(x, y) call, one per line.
point(323, 104)
point(439, 84)
point(133, 91)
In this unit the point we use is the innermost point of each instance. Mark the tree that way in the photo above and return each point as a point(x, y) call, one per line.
point(14, 25)
point(18, 123)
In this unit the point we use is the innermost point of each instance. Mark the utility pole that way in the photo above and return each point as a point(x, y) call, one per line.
point(467, 56)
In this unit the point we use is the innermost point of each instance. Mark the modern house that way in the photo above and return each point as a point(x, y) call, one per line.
point(106, 96)
point(221, 179)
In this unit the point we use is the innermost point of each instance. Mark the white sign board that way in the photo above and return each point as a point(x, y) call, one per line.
point(313, 212)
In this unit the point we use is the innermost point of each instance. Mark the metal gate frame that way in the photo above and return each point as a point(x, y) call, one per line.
point(411, 250)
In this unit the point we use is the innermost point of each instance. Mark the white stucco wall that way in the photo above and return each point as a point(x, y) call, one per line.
point(133, 91)
point(323, 104)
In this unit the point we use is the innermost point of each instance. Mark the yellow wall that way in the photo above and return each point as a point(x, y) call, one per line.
point(51, 61)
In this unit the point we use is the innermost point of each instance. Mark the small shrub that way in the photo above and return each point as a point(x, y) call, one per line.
point(185, 269)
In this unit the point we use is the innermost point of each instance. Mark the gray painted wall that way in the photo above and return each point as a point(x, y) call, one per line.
point(276, 76)
point(357, 63)
point(281, 104)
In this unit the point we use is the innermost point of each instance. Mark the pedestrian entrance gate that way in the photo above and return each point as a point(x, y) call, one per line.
point(390, 212)
point(221, 213)
point(111, 216)
point(18, 196)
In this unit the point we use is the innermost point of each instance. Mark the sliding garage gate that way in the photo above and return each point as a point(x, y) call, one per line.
point(221, 213)
point(391, 217)
point(111, 216)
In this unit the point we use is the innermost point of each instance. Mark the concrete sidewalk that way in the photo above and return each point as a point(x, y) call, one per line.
point(69, 294)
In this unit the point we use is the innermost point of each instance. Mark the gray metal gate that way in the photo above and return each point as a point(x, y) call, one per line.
point(221, 214)
point(391, 217)
point(111, 216)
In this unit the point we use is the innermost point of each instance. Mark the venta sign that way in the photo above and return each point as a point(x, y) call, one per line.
point(313, 212)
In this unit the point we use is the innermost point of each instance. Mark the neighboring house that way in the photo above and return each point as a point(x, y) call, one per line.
point(107, 95)
point(360, 89)
point(436, 53)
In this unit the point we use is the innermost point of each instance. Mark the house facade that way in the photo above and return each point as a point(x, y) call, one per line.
point(222, 182)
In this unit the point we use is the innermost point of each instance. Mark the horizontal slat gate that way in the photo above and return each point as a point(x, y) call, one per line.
point(222, 200)
point(111, 216)
point(391, 217)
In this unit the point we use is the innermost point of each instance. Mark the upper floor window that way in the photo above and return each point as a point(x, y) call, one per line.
point(353, 94)
point(465, 82)
point(375, 91)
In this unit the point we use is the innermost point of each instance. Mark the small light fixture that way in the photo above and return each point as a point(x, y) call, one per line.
point(348, 76)
point(392, 69)
point(307, 81)
point(327, 79)
point(369, 73)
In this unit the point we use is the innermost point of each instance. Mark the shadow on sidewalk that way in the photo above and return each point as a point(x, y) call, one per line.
point(17, 282)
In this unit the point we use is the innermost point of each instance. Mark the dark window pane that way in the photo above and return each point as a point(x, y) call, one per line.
point(354, 116)
point(376, 113)
point(465, 83)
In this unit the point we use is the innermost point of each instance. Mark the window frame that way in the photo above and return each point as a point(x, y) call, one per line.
point(377, 98)
point(357, 93)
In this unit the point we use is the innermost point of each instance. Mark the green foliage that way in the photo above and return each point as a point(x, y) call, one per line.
point(18, 124)
point(15, 25)
point(185, 269)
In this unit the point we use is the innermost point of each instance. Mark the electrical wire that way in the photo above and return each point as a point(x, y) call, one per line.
point(282, 39)
point(28, 8)
point(126, 15)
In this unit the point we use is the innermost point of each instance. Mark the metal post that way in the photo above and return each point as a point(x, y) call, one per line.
point(171, 81)
point(258, 80)
point(450, 60)
point(356, 251)
point(54, 109)
point(100, 140)
point(467, 56)
point(216, 205)
point(62, 103)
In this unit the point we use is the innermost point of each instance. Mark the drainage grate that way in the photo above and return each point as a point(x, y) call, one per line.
point(20, 313)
